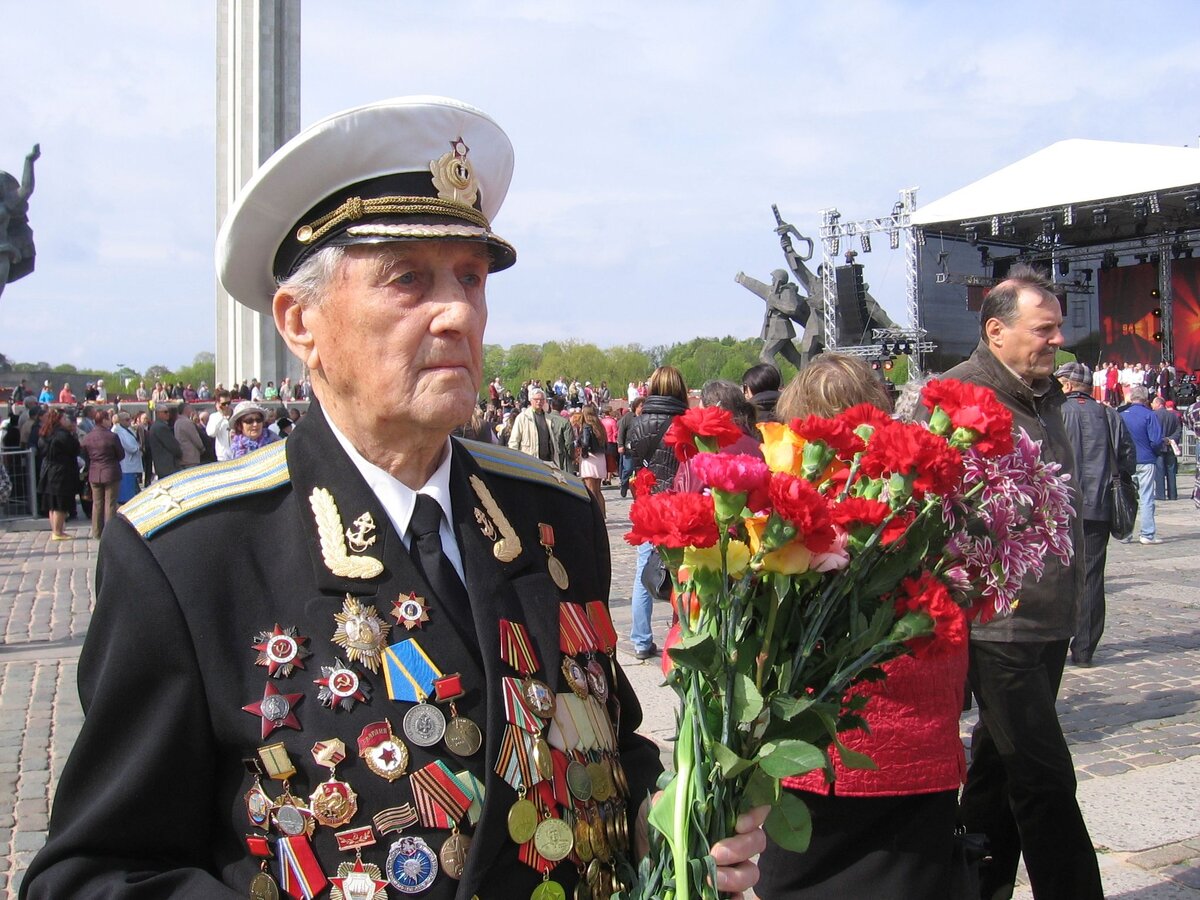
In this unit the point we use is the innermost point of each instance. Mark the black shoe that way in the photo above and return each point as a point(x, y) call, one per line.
point(647, 653)
point(1083, 662)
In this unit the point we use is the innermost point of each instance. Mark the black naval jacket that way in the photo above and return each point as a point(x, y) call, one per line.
point(150, 804)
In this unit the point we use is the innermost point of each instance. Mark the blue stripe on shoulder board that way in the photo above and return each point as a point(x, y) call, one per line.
point(514, 464)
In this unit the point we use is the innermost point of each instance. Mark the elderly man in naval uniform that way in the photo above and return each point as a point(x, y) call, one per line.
point(370, 657)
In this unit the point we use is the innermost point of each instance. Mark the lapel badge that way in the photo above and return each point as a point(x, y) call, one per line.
point(410, 611)
point(411, 865)
point(333, 539)
point(382, 751)
point(508, 546)
point(340, 686)
point(258, 803)
point(558, 571)
point(358, 881)
point(293, 818)
point(577, 679)
point(277, 710)
point(356, 537)
point(281, 651)
point(361, 632)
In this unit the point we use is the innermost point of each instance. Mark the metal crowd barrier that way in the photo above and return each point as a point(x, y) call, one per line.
point(22, 502)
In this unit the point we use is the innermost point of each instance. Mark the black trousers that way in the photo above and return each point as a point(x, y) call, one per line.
point(1020, 788)
point(1089, 623)
point(885, 848)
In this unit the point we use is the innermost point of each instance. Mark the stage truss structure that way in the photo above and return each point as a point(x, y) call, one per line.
point(898, 227)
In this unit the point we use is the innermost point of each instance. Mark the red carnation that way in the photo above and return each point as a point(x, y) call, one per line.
point(905, 448)
point(711, 424)
point(975, 409)
point(806, 508)
point(869, 514)
point(838, 434)
point(673, 520)
point(929, 595)
point(864, 414)
point(643, 481)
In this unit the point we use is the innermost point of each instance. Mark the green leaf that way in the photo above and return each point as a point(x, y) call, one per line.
point(784, 759)
point(697, 651)
point(662, 811)
point(789, 823)
point(852, 759)
point(761, 790)
point(789, 707)
point(747, 701)
point(731, 764)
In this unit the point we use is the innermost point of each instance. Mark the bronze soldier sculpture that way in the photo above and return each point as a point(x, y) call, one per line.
point(16, 237)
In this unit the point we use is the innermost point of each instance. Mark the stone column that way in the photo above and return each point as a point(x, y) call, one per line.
point(258, 110)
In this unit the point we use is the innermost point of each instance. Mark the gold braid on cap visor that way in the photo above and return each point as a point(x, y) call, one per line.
point(356, 208)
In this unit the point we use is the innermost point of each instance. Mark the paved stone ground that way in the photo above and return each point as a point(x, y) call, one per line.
point(1133, 720)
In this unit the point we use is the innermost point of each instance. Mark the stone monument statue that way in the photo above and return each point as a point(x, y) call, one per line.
point(785, 305)
point(16, 237)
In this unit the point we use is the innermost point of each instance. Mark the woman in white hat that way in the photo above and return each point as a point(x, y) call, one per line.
point(248, 425)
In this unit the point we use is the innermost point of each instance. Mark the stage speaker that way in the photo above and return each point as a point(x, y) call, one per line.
point(853, 320)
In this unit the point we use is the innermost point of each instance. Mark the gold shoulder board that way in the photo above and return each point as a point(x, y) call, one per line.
point(181, 494)
point(514, 464)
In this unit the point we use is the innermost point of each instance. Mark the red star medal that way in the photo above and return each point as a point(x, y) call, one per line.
point(277, 710)
point(359, 880)
point(280, 650)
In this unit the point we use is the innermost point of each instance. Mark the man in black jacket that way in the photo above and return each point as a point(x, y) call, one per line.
point(1103, 447)
point(165, 452)
point(1020, 788)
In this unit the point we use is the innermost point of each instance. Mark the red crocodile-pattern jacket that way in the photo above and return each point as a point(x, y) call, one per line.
point(913, 739)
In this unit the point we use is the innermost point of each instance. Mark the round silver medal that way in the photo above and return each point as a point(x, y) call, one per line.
point(275, 707)
point(424, 724)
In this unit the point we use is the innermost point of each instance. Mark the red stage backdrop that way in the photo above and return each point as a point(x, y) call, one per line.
point(1127, 318)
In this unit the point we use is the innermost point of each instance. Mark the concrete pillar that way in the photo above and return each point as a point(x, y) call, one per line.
point(258, 110)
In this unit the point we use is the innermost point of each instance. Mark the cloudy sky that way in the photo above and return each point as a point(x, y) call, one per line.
point(651, 140)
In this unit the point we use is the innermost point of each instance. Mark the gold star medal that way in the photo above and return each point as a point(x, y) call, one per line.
point(361, 632)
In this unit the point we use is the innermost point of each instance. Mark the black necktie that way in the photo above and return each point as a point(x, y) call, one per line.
point(425, 546)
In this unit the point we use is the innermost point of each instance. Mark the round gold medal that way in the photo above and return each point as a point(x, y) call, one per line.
point(548, 890)
point(263, 887)
point(453, 855)
point(582, 891)
point(558, 572)
point(553, 839)
point(463, 736)
point(583, 840)
point(522, 821)
point(542, 759)
point(600, 846)
point(601, 785)
point(579, 782)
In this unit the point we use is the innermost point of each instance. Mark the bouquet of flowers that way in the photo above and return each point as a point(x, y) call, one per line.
point(854, 540)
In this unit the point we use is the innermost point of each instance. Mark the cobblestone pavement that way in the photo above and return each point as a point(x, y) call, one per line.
point(1133, 721)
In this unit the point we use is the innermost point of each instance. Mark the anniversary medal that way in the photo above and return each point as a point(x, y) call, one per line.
point(462, 735)
point(558, 572)
point(522, 819)
point(361, 632)
point(474, 787)
point(411, 865)
point(281, 651)
point(383, 753)
point(357, 880)
point(341, 686)
point(453, 855)
point(262, 885)
point(424, 724)
point(276, 710)
point(258, 804)
point(333, 803)
point(554, 839)
point(441, 801)
point(410, 674)
point(583, 840)
point(548, 890)
point(410, 611)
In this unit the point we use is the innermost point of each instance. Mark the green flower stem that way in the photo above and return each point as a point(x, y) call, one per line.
point(684, 760)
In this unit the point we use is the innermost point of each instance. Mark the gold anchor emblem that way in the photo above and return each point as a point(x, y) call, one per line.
point(356, 537)
point(508, 547)
point(333, 544)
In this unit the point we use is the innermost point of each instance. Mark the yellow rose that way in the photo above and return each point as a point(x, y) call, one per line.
point(737, 558)
point(793, 558)
point(782, 448)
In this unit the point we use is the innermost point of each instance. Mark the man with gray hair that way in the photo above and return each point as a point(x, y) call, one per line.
point(1020, 788)
point(1147, 438)
point(531, 431)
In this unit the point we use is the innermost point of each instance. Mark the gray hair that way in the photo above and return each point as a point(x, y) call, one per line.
point(309, 284)
point(1137, 393)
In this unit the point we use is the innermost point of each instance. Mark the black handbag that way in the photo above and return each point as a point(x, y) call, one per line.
point(969, 850)
point(655, 577)
point(1124, 507)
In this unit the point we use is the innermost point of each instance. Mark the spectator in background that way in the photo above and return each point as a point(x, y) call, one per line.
point(1166, 464)
point(1147, 438)
point(611, 459)
point(668, 399)
point(165, 452)
point(103, 452)
point(188, 436)
point(131, 462)
point(65, 395)
point(101, 392)
point(141, 393)
point(218, 425)
point(248, 424)
point(761, 385)
point(58, 482)
point(623, 451)
point(1102, 446)
point(589, 443)
point(47, 395)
